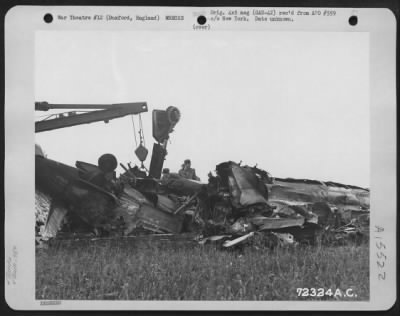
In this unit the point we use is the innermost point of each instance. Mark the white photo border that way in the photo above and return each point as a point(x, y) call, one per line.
point(21, 23)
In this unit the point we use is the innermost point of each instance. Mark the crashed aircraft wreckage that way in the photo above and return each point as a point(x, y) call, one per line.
point(237, 204)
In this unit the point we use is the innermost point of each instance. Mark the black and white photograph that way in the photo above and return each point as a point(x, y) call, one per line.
point(224, 158)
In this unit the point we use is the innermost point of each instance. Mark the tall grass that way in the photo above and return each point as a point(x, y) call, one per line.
point(165, 270)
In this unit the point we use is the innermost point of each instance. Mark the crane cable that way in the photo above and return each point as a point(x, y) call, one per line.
point(141, 137)
point(134, 130)
point(141, 132)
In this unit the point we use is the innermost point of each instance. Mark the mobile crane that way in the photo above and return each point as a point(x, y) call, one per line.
point(163, 123)
point(70, 190)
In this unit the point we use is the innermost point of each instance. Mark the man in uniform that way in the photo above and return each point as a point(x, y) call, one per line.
point(188, 172)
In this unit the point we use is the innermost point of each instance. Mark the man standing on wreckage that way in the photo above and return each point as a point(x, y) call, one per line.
point(187, 172)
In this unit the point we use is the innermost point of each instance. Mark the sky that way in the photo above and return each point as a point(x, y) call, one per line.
point(294, 103)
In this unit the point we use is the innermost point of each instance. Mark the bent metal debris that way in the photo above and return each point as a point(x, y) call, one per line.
point(237, 204)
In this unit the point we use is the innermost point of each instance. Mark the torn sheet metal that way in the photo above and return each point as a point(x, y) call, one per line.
point(42, 208)
point(242, 226)
point(277, 223)
point(54, 221)
point(236, 241)
point(312, 191)
point(248, 185)
point(245, 187)
point(236, 203)
point(98, 207)
point(213, 239)
point(165, 204)
point(137, 211)
point(161, 221)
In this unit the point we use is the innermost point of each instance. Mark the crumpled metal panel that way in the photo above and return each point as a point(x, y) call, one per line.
point(277, 223)
point(54, 221)
point(230, 243)
point(135, 194)
point(165, 204)
point(161, 221)
point(241, 226)
point(247, 185)
point(146, 215)
point(128, 210)
point(316, 191)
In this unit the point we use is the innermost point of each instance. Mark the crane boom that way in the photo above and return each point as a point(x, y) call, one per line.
point(107, 112)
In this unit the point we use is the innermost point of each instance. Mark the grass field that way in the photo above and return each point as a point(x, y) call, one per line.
point(165, 270)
